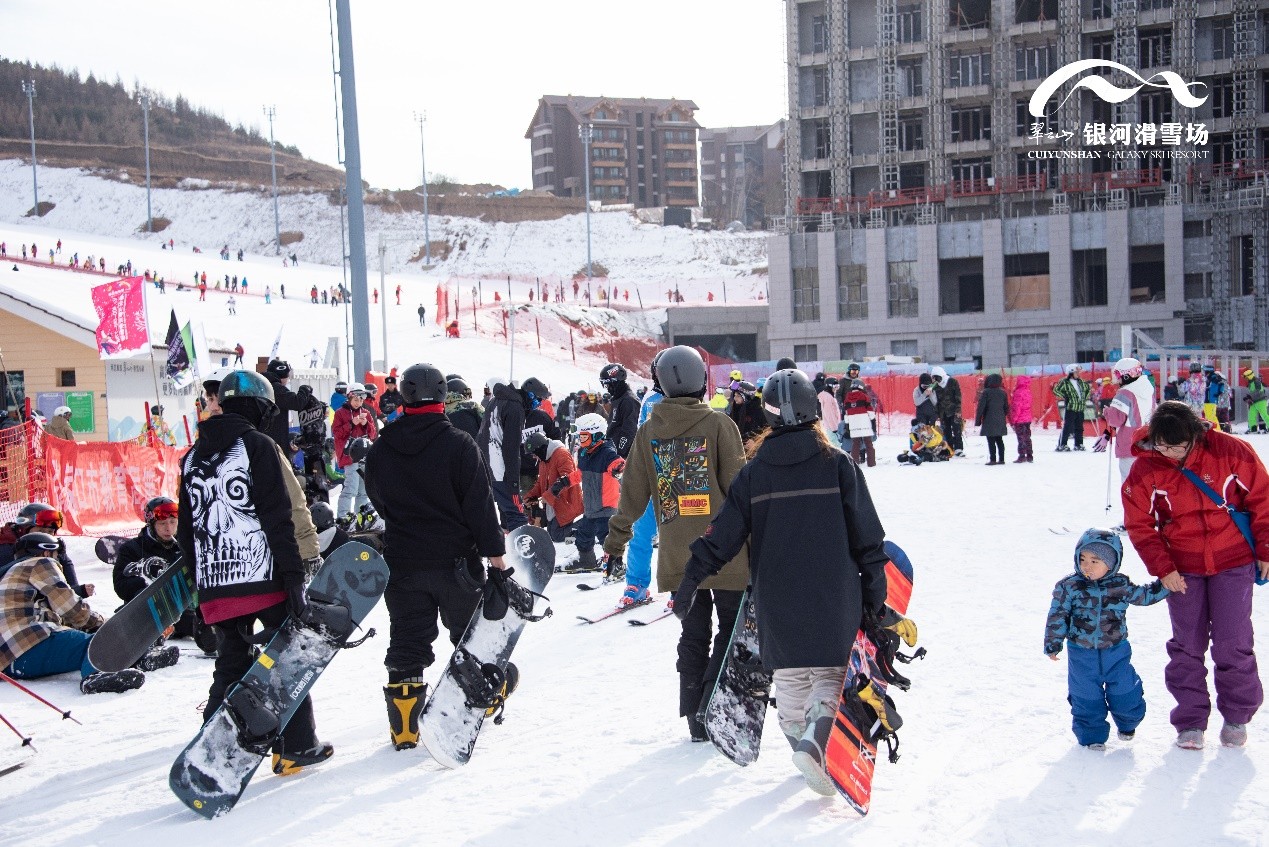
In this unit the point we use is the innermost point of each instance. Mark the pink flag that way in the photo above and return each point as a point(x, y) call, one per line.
point(121, 326)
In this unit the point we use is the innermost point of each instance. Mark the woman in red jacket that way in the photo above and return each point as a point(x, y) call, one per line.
point(1196, 549)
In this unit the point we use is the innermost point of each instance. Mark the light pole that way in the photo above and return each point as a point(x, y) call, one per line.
point(421, 117)
point(586, 132)
point(270, 111)
point(28, 88)
point(149, 214)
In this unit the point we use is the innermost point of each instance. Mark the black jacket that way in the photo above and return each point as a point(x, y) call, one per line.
point(623, 420)
point(809, 598)
point(466, 418)
point(235, 514)
point(536, 420)
point(390, 401)
point(128, 578)
point(428, 482)
point(288, 401)
point(502, 432)
point(748, 417)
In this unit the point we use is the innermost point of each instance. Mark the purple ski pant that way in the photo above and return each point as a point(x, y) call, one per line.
point(1214, 610)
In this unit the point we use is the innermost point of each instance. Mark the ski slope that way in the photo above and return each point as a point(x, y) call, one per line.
point(592, 750)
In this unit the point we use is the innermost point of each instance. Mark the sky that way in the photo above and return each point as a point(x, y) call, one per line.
point(476, 70)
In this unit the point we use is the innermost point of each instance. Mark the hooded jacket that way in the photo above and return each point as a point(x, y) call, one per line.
point(60, 426)
point(809, 597)
point(1072, 391)
point(1093, 614)
point(501, 433)
point(466, 415)
point(1131, 409)
point(428, 482)
point(993, 408)
point(683, 460)
point(288, 401)
point(949, 394)
point(623, 420)
point(925, 400)
point(559, 463)
point(236, 520)
point(601, 469)
point(1020, 402)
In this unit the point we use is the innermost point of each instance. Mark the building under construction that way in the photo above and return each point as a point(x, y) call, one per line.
point(931, 211)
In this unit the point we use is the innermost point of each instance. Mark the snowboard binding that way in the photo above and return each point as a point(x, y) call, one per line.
point(258, 727)
point(333, 620)
point(751, 676)
point(875, 714)
point(482, 684)
point(885, 632)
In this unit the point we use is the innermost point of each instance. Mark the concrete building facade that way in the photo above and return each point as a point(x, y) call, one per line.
point(742, 174)
point(929, 212)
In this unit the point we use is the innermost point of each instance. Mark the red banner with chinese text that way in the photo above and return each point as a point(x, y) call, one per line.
point(102, 487)
point(122, 330)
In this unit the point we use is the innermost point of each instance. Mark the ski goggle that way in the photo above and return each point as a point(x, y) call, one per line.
point(47, 546)
point(163, 511)
point(49, 517)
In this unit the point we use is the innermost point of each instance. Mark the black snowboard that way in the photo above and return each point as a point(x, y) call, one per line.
point(107, 547)
point(124, 638)
point(450, 725)
point(737, 706)
point(212, 772)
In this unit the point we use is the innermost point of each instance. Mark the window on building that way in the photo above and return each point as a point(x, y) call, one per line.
point(969, 14)
point(971, 170)
point(1151, 5)
point(1090, 346)
point(819, 84)
point(806, 352)
point(1246, 265)
point(1221, 149)
point(1156, 108)
point(969, 349)
point(1026, 281)
point(960, 286)
point(1145, 274)
point(806, 295)
point(1100, 47)
point(852, 293)
point(1222, 96)
point(912, 133)
point(967, 69)
point(912, 175)
point(1099, 8)
point(1199, 330)
point(1088, 277)
point(819, 34)
point(13, 389)
point(1030, 348)
point(817, 138)
point(905, 347)
point(1035, 11)
point(1035, 61)
point(65, 377)
point(1222, 38)
point(1198, 286)
point(851, 351)
point(972, 124)
point(910, 29)
point(1040, 173)
point(911, 77)
point(1154, 48)
point(1027, 124)
point(902, 293)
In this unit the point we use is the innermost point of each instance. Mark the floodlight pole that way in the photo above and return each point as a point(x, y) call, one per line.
point(28, 88)
point(270, 111)
point(149, 213)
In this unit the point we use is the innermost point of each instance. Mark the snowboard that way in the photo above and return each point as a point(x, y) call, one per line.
point(851, 752)
point(450, 723)
point(107, 547)
point(124, 638)
point(737, 706)
point(213, 771)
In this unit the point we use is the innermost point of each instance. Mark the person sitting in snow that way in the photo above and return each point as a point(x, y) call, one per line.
point(1088, 611)
point(925, 444)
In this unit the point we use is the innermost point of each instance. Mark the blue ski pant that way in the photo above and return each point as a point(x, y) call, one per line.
point(63, 651)
point(589, 531)
point(1100, 682)
point(639, 550)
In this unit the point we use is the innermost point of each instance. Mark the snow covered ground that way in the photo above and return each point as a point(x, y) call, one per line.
point(592, 751)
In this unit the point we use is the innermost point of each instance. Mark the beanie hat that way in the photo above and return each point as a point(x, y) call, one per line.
point(1103, 551)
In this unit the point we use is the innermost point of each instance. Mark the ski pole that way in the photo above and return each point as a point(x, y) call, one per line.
point(1110, 464)
point(26, 739)
point(65, 713)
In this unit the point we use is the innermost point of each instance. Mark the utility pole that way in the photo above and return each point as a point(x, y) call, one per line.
point(587, 132)
point(28, 88)
point(149, 214)
point(356, 209)
point(421, 117)
point(270, 111)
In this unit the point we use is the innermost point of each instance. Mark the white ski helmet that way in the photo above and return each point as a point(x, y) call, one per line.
point(593, 425)
point(1127, 368)
point(61, 410)
point(1073, 367)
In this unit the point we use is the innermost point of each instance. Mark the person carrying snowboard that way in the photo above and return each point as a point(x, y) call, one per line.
point(243, 523)
point(428, 481)
point(684, 460)
point(810, 599)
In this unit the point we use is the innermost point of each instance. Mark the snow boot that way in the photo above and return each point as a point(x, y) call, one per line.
point(289, 764)
point(808, 755)
point(1190, 739)
point(158, 657)
point(696, 728)
point(510, 681)
point(112, 681)
point(1127, 736)
point(633, 595)
point(614, 572)
point(1096, 746)
point(586, 561)
point(1234, 734)
point(405, 704)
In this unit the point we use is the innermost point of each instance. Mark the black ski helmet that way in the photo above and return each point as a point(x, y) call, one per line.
point(535, 443)
point(421, 384)
point(536, 387)
point(358, 448)
point(681, 371)
point(789, 399)
point(786, 364)
point(27, 514)
point(278, 369)
point(656, 383)
point(323, 515)
point(341, 387)
point(152, 508)
point(610, 373)
point(35, 544)
point(457, 387)
point(250, 395)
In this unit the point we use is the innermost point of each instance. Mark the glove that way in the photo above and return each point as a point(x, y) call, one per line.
point(898, 624)
point(1102, 443)
point(297, 602)
point(558, 486)
point(617, 468)
point(152, 567)
point(311, 566)
point(684, 597)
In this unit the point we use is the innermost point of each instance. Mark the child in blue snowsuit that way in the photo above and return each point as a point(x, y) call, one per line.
point(1089, 610)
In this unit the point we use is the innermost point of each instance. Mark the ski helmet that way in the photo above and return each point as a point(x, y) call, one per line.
point(786, 363)
point(735, 376)
point(536, 443)
point(322, 514)
point(36, 544)
point(591, 427)
point(38, 514)
point(249, 395)
point(371, 389)
point(853, 366)
point(1072, 368)
point(211, 385)
point(682, 372)
point(656, 382)
point(536, 387)
point(1103, 543)
point(610, 373)
point(158, 508)
point(358, 448)
point(1128, 368)
point(456, 388)
point(341, 387)
point(789, 399)
point(278, 369)
point(62, 410)
point(422, 384)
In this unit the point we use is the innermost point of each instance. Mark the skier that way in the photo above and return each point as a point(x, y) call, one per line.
point(537, 418)
point(243, 524)
point(1216, 407)
point(1020, 419)
point(238, 351)
point(422, 314)
point(390, 402)
point(745, 409)
point(810, 599)
point(429, 482)
point(686, 475)
point(1193, 392)
point(499, 440)
point(313, 357)
point(1131, 408)
point(339, 397)
point(601, 469)
point(948, 391)
point(45, 627)
point(1073, 394)
point(623, 419)
point(643, 532)
point(353, 422)
point(462, 411)
point(1258, 406)
point(558, 483)
point(1089, 610)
